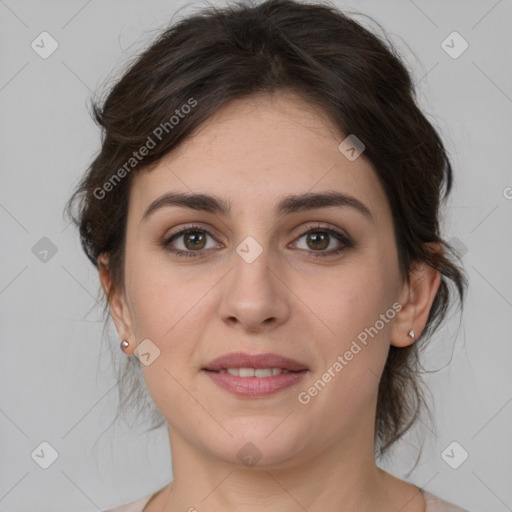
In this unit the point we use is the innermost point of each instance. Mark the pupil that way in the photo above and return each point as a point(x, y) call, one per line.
point(315, 237)
point(196, 237)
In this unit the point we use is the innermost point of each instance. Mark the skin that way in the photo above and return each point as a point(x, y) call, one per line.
point(314, 457)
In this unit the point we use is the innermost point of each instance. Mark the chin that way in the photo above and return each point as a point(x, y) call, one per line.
point(259, 442)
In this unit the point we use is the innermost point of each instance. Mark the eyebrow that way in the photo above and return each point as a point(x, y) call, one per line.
point(289, 204)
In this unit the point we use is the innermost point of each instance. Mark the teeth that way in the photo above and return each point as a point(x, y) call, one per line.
point(246, 372)
point(263, 372)
point(252, 372)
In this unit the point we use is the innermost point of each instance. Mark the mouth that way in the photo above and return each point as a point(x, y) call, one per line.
point(246, 362)
point(254, 375)
point(261, 373)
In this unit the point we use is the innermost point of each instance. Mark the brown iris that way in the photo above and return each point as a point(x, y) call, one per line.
point(194, 239)
point(318, 237)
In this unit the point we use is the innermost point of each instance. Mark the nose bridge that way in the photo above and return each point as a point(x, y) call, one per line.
point(253, 249)
point(253, 266)
point(254, 295)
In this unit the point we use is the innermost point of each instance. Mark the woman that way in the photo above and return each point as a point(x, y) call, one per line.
point(264, 217)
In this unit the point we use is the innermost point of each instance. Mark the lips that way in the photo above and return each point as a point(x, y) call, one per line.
point(255, 375)
point(235, 360)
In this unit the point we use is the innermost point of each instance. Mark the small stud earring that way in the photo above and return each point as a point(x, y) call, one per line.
point(411, 334)
point(124, 344)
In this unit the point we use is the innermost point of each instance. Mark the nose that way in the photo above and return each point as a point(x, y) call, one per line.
point(255, 297)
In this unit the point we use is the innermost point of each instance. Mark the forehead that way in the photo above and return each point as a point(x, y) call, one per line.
point(254, 151)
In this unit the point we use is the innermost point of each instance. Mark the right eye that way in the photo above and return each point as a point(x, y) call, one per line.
point(191, 242)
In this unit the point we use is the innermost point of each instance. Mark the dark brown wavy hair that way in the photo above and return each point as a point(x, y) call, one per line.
point(354, 77)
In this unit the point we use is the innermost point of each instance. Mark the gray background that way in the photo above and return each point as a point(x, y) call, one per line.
point(57, 384)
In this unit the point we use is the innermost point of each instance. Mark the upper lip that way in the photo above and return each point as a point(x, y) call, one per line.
point(244, 360)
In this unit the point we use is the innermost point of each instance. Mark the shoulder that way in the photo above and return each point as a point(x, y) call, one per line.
point(436, 504)
point(134, 506)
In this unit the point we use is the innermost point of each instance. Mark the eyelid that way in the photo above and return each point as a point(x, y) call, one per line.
point(190, 227)
point(324, 226)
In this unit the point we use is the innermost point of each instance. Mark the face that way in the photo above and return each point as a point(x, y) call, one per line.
point(271, 274)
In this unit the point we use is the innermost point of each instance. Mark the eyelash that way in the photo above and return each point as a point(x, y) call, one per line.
point(341, 237)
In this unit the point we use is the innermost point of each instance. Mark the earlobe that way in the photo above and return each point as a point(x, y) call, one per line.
point(419, 293)
point(126, 347)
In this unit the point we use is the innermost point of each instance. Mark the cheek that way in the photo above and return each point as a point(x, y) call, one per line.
point(166, 306)
point(151, 301)
point(357, 308)
point(356, 305)
point(354, 299)
point(152, 296)
point(166, 301)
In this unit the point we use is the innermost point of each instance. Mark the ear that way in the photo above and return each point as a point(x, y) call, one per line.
point(416, 298)
point(117, 302)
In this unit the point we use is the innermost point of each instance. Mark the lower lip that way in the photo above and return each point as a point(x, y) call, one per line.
point(255, 386)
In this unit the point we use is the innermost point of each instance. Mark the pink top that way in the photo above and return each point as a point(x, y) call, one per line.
point(434, 504)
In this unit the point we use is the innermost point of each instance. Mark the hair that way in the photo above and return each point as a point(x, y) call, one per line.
point(352, 76)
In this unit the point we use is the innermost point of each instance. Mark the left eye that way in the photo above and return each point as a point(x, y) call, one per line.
point(319, 239)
